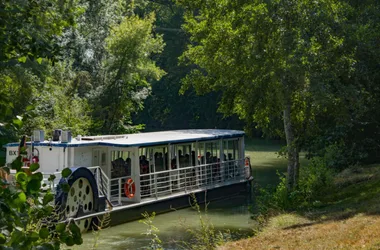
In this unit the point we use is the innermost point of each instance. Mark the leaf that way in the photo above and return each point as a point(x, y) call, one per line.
point(65, 187)
point(21, 177)
point(17, 122)
point(66, 172)
point(2, 238)
point(22, 59)
point(29, 107)
point(78, 239)
point(69, 241)
point(60, 227)
point(39, 60)
point(33, 236)
point(20, 199)
point(36, 176)
point(52, 177)
point(48, 198)
point(49, 209)
point(17, 163)
point(44, 233)
point(34, 167)
point(34, 186)
point(74, 229)
point(16, 237)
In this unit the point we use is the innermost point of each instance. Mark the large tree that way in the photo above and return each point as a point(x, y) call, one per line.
point(270, 59)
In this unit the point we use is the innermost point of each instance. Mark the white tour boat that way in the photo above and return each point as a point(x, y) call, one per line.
point(126, 175)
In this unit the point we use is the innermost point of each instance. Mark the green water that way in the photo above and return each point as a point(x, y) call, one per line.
point(226, 215)
point(230, 216)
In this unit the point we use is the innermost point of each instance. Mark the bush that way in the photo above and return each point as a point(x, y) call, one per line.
point(315, 179)
point(28, 217)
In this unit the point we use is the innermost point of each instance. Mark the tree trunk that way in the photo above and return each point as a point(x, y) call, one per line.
point(293, 155)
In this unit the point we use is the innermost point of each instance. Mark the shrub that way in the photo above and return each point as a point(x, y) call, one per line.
point(315, 179)
point(28, 218)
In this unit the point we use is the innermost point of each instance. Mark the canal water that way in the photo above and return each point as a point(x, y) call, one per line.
point(229, 216)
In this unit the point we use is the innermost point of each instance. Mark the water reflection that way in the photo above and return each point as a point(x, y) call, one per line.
point(230, 215)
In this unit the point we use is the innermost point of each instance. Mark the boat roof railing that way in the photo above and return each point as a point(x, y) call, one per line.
point(143, 139)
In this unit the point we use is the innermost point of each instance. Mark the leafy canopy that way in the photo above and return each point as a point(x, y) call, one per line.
point(261, 53)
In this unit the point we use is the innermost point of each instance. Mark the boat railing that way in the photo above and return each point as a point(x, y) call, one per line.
point(52, 184)
point(168, 182)
point(117, 189)
point(154, 185)
point(102, 181)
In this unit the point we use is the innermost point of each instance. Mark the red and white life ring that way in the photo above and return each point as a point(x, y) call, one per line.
point(129, 188)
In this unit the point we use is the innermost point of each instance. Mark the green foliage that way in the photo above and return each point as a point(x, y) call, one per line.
point(151, 232)
point(203, 237)
point(258, 53)
point(28, 219)
point(98, 225)
point(129, 69)
point(102, 78)
point(277, 63)
point(30, 28)
point(315, 181)
point(166, 108)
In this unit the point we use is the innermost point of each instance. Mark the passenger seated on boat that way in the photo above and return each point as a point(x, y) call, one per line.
point(118, 168)
point(208, 158)
point(159, 162)
point(144, 180)
point(203, 160)
point(144, 165)
point(173, 163)
point(230, 157)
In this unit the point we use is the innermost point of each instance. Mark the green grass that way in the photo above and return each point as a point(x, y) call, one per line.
point(266, 161)
point(347, 217)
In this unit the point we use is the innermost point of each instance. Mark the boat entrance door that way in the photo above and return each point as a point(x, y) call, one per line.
point(99, 158)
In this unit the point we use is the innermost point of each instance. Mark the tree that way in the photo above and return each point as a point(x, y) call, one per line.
point(166, 107)
point(129, 70)
point(29, 28)
point(268, 58)
point(29, 34)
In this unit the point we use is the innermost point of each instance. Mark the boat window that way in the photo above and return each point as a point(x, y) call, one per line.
point(231, 149)
point(186, 155)
point(121, 163)
point(153, 159)
point(208, 152)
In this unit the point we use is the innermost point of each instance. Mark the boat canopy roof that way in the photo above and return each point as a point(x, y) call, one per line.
point(143, 139)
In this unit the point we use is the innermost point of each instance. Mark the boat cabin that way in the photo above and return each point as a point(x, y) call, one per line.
point(132, 168)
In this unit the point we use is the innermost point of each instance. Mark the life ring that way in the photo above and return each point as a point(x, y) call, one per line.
point(129, 188)
point(247, 169)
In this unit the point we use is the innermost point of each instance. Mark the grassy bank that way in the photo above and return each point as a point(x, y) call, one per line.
point(348, 217)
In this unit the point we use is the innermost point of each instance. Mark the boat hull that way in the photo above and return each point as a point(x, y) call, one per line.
point(126, 214)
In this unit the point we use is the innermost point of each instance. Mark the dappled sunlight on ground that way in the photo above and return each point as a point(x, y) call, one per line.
point(348, 217)
point(358, 232)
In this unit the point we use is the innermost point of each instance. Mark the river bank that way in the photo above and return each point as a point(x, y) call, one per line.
point(346, 218)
